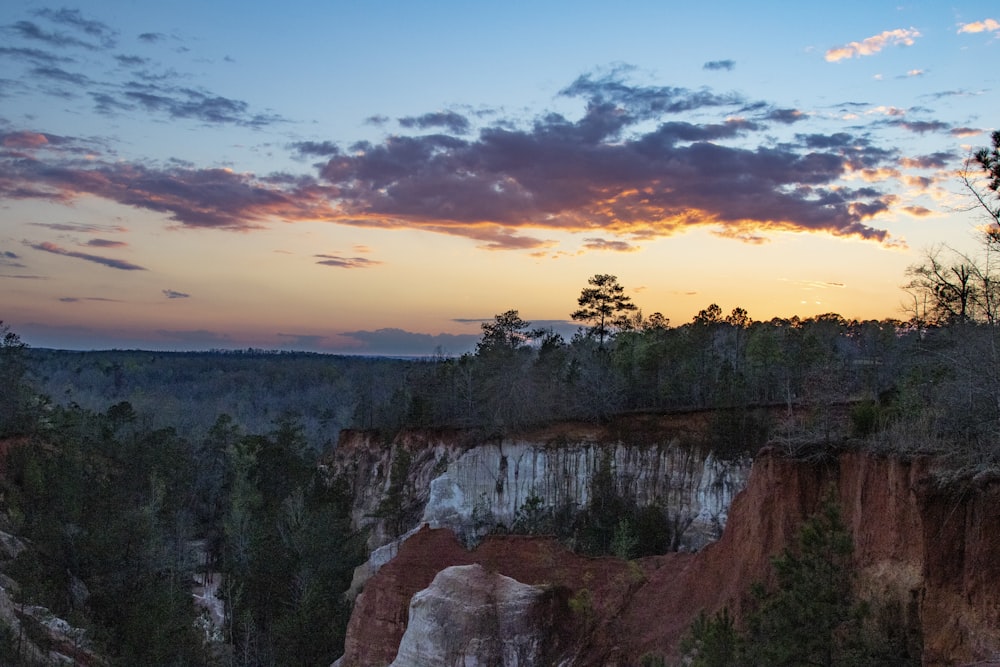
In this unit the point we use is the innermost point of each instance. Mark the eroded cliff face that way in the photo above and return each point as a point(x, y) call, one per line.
point(472, 485)
point(486, 486)
point(930, 549)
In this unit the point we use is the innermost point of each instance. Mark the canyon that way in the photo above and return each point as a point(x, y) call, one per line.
point(923, 548)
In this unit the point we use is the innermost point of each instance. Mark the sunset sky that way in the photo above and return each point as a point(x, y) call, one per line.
point(370, 178)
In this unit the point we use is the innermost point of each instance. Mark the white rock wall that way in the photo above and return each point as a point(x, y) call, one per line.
point(473, 488)
point(494, 481)
point(468, 617)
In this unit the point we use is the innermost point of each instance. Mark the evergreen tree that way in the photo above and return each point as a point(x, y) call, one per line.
point(712, 642)
point(811, 617)
point(605, 306)
point(15, 396)
point(988, 160)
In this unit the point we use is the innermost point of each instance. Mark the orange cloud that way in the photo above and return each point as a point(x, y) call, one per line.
point(986, 25)
point(815, 284)
point(931, 161)
point(24, 140)
point(875, 175)
point(604, 244)
point(918, 211)
point(493, 236)
point(746, 236)
point(887, 111)
point(873, 45)
point(919, 182)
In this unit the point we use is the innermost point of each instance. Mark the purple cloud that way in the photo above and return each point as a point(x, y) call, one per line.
point(74, 19)
point(106, 243)
point(191, 104)
point(923, 126)
point(11, 260)
point(80, 227)
point(449, 120)
point(35, 56)
point(320, 148)
point(77, 299)
point(105, 261)
point(32, 31)
point(626, 166)
point(605, 245)
point(346, 262)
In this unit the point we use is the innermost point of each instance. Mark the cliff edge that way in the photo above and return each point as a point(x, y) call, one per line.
point(929, 549)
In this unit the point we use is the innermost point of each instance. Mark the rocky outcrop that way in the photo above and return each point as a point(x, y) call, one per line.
point(930, 549)
point(469, 616)
point(41, 636)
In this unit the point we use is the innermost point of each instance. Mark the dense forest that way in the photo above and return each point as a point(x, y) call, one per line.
point(115, 520)
point(127, 475)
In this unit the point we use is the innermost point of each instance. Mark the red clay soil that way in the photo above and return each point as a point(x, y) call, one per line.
point(634, 428)
point(935, 551)
point(763, 520)
point(381, 611)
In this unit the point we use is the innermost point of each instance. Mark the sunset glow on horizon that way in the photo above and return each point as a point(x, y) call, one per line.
point(328, 177)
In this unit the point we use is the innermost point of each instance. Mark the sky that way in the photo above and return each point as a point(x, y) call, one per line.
point(382, 177)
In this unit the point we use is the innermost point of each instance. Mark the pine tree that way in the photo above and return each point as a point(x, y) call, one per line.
point(811, 617)
point(605, 305)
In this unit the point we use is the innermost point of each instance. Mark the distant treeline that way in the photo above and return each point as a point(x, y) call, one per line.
point(922, 383)
point(187, 391)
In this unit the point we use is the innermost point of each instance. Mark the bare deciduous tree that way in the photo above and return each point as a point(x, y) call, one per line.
point(947, 287)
